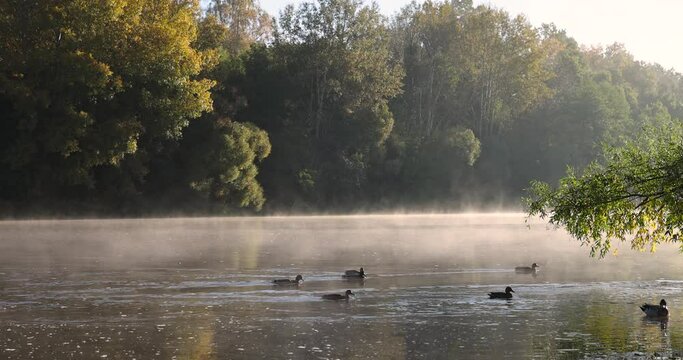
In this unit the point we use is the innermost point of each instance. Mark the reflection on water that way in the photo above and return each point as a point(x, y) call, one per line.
point(200, 289)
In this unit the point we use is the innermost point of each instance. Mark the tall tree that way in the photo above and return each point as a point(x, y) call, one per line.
point(425, 39)
point(245, 20)
point(338, 75)
point(633, 190)
point(503, 73)
point(466, 68)
point(214, 166)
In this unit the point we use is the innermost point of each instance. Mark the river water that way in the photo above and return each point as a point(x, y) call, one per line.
point(201, 289)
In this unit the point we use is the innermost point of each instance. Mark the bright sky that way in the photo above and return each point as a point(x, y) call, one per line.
point(651, 30)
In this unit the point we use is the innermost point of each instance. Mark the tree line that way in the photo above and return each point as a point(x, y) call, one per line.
point(139, 107)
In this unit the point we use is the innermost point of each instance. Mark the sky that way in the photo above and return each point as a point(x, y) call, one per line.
point(651, 30)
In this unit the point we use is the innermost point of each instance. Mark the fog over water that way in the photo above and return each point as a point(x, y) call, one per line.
point(201, 289)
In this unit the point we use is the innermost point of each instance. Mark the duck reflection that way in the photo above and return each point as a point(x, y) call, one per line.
point(663, 323)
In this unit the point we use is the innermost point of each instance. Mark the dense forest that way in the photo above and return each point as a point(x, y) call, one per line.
point(145, 107)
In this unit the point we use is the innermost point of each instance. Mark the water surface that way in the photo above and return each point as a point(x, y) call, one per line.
point(200, 289)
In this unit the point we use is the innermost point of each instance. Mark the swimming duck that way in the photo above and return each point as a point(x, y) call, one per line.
point(655, 310)
point(338, 296)
point(526, 269)
point(502, 295)
point(299, 279)
point(354, 274)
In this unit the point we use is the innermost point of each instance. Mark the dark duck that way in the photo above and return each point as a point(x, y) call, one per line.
point(502, 295)
point(354, 274)
point(655, 311)
point(338, 296)
point(298, 280)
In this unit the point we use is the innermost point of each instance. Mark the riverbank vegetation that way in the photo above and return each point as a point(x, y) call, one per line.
point(139, 107)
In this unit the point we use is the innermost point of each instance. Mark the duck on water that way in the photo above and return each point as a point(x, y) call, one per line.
point(354, 274)
point(502, 295)
point(656, 311)
point(297, 281)
point(338, 296)
point(527, 269)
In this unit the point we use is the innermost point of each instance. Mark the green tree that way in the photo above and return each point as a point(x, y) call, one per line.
point(245, 21)
point(328, 76)
point(219, 159)
point(88, 85)
point(425, 38)
point(467, 68)
point(587, 110)
point(133, 105)
point(636, 194)
point(631, 191)
point(214, 166)
point(503, 71)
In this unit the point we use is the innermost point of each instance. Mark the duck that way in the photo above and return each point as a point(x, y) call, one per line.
point(354, 274)
point(298, 280)
point(527, 269)
point(659, 311)
point(338, 296)
point(502, 295)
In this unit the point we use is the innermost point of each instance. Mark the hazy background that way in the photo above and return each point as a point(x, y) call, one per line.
point(650, 30)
